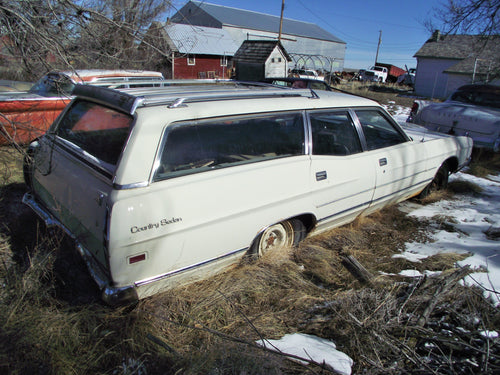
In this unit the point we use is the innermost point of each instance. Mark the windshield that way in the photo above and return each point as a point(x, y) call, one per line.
point(53, 84)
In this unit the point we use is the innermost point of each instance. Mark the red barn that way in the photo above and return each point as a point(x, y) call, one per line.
point(199, 52)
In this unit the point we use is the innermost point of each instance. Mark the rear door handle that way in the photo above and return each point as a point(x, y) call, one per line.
point(321, 176)
point(382, 162)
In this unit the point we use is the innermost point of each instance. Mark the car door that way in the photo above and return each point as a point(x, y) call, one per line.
point(399, 162)
point(342, 177)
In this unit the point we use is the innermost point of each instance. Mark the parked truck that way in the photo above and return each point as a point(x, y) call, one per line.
point(383, 73)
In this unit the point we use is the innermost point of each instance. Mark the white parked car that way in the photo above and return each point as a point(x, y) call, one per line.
point(165, 186)
point(306, 73)
point(472, 110)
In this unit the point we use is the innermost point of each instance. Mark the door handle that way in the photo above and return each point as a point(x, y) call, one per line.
point(321, 176)
point(382, 162)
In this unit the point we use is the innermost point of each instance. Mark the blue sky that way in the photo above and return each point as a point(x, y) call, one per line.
point(357, 22)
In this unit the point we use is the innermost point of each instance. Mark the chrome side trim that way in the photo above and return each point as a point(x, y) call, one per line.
point(48, 219)
point(135, 185)
point(187, 268)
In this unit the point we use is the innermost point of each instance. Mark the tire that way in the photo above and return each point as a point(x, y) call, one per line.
point(284, 234)
point(439, 182)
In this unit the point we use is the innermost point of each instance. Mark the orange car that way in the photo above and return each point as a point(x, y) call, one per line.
point(25, 116)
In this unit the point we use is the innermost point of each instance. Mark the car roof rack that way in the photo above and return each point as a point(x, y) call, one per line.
point(128, 100)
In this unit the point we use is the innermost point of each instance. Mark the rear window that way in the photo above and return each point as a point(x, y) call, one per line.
point(95, 129)
point(197, 147)
point(483, 98)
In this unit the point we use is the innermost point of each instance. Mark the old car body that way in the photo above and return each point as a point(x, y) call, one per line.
point(306, 73)
point(165, 186)
point(27, 115)
point(472, 110)
point(299, 83)
point(9, 86)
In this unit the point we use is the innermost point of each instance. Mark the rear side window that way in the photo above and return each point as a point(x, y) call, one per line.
point(97, 130)
point(379, 131)
point(206, 145)
point(333, 133)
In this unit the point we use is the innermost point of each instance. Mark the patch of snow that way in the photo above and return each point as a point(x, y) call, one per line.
point(410, 273)
point(416, 273)
point(311, 347)
point(471, 216)
point(489, 334)
point(412, 256)
point(399, 113)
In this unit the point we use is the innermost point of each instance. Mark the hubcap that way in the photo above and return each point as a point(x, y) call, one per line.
point(275, 237)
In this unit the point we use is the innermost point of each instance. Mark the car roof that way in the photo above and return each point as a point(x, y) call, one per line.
point(129, 100)
point(494, 89)
point(89, 75)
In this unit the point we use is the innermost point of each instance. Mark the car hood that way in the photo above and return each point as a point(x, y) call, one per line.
point(420, 133)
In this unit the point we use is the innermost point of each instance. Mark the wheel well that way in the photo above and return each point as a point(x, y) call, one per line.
point(309, 221)
point(452, 164)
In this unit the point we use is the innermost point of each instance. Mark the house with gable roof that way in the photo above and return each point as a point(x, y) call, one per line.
point(256, 60)
point(307, 44)
point(195, 51)
point(446, 62)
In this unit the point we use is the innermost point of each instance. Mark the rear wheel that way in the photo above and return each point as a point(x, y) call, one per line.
point(439, 182)
point(284, 234)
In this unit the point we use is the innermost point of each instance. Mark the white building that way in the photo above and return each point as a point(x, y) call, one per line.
point(307, 44)
point(446, 62)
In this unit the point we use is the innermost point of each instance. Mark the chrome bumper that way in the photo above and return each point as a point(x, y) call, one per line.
point(109, 294)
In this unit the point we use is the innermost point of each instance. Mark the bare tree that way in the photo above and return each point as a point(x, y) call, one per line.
point(467, 17)
point(48, 34)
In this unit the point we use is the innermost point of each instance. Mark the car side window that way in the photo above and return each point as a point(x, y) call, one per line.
point(333, 133)
point(378, 130)
point(201, 146)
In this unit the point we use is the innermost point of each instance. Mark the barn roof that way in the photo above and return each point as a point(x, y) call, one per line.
point(468, 50)
point(257, 51)
point(217, 15)
point(199, 40)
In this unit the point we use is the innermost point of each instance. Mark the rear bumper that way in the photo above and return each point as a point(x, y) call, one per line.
point(110, 294)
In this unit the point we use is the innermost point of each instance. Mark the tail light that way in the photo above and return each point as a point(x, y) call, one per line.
point(414, 109)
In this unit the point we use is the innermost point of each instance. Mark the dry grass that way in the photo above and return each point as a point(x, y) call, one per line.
point(52, 322)
point(484, 163)
point(386, 94)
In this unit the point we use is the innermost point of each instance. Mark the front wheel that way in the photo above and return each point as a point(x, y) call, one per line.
point(439, 182)
point(284, 234)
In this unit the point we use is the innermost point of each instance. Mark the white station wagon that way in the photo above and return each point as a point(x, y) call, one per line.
point(163, 186)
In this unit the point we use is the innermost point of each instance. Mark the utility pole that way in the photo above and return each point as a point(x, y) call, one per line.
point(281, 18)
point(378, 46)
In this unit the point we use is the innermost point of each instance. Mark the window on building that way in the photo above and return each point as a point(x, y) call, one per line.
point(223, 61)
point(191, 60)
